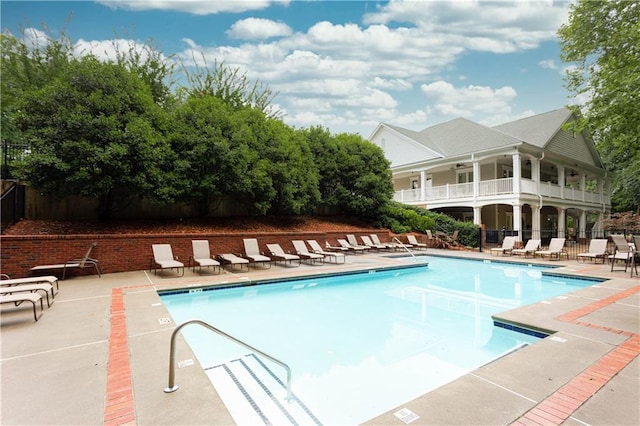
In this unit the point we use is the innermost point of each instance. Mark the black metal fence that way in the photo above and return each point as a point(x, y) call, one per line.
point(12, 206)
point(12, 151)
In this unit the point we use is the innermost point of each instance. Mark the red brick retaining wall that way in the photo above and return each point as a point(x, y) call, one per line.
point(132, 252)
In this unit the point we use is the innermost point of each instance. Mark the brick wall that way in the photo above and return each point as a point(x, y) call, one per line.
point(132, 252)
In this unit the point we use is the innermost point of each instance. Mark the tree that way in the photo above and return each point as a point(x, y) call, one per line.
point(95, 131)
point(602, 40)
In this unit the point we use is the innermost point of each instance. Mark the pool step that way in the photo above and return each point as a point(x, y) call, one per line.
point(254, 394)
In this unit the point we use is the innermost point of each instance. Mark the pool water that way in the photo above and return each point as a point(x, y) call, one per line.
point(360, 344)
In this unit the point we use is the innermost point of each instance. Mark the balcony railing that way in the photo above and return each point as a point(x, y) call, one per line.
point(495, 187)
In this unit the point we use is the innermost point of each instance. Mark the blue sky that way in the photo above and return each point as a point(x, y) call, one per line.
point(345, 65)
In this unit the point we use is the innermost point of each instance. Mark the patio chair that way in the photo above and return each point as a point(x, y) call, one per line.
point(233, 260)
point(635, 259)
point(85, 262)
point(51, 279)
point(556, 249)
point(163, 259)
point(352, 249)
point(367, 242)
point(202, 256)
point(354, 242)
point(597, 249)
point(529, 248)
point(278, 255)
point(507, 246)
point(376, 240)
point(305, 254)
point(331, 255)
point(252, 252)
point(18, 299)
point(624, 251)
point(414, 242)
point(336, 248)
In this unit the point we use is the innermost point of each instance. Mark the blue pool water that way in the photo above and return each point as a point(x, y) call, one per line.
point(361, 344)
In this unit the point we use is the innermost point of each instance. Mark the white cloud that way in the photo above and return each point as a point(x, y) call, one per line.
point(548, 64)
point(34, 38)
point(470, 100)
point(196, 7)
point(258, 29)
point(391, 84)
point(109, 50)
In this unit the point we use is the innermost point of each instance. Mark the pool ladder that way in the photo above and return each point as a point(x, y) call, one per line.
point(172, 387)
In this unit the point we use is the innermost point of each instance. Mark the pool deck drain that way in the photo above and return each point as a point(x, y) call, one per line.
point(102, 340)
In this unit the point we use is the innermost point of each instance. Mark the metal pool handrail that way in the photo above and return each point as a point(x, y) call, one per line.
point(172, 387)
point(403, 245)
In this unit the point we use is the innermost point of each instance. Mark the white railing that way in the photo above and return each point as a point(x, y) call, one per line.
point(487, 188)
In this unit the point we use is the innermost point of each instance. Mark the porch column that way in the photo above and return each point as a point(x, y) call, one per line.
point(477, 216)
point(476, 179)
point(517, 220)
point(561, 220)
point(535, 171)
point(535, 222)
point(600, 190)
point(582, 225)
point(423, 184)
point(561, 181)
point(583, 183)
point(517, 174)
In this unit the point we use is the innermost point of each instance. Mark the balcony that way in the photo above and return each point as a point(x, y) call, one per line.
point(495, 188)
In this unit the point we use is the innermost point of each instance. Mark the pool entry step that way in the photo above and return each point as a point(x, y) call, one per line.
point(254, 394)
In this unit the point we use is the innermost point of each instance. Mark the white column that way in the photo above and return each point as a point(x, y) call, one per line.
point(582, 225)
point(561, 221)
point(476, 180)
point(517, 220)
point(561, 181)
point(535, 222)
point(601, 189)
point(517, 174)
point(583, 183)
point(477, 215)
point(423, 184)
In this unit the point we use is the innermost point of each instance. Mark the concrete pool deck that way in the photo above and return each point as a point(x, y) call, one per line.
point(99, 355)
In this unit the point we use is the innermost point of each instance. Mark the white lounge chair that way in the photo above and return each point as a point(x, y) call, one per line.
point(624, 251)
point(351, 239)
point(232, 260)
point(279, 255)
point(252, 252)
point(556, 249)
point(315, 246)
point(507, 246)
point(529, 248)
point(338, 248)
point(353, 249)
point(597, 249)
point(376, 240)
point(85, 262)
point(202, 256)
point(367, 242)
point(304, 253)
point(18, 299)
point(51, 279)
point(163, 259)
point(414, 242)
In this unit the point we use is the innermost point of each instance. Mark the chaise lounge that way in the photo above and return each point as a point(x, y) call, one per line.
point(278, 255)
point(315, 246)
point(529, 248)
point(252, 252)
point(85, 262)
point(507, 246)
point(597, 249)
point(202, 256)
point(232, 260)
point(305, 254)
point(556, 249)
point(163, 259)
point(18, 299)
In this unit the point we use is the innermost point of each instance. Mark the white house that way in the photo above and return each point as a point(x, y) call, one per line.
point(529, 175)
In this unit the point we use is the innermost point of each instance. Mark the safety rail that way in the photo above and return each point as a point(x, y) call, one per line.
point(172, 387)
point(404, 246)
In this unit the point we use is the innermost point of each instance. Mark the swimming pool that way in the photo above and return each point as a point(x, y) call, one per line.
point(361, 344)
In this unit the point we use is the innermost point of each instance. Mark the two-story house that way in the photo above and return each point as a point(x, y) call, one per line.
point(529, 176)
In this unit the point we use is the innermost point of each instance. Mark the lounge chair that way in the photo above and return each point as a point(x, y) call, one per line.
point(85, 262)
point(351, 239)
point(556, 249)
point(337, 248)
point(376, 240)
point(414, 242)
point(202, 256)
point(305, 254)
point(29, 288)
point(18, 299)
point(252, 252)
point(635, 259)
point(51, 279)
point(316, 248)
point(163, 259)
point(597, 249)
point(232, 260)
point(507, 246)
point(367, 242)
point(624, 251)
point(278, 255)
point(529, 248)
point(352, 249)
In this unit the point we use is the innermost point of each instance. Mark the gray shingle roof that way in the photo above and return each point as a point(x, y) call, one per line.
point(536, 130)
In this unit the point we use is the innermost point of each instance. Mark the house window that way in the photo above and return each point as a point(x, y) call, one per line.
point(414, 183)
point(507, 171)
point(465, 176)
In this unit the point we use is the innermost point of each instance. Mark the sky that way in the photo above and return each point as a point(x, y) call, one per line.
point(343, 65)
